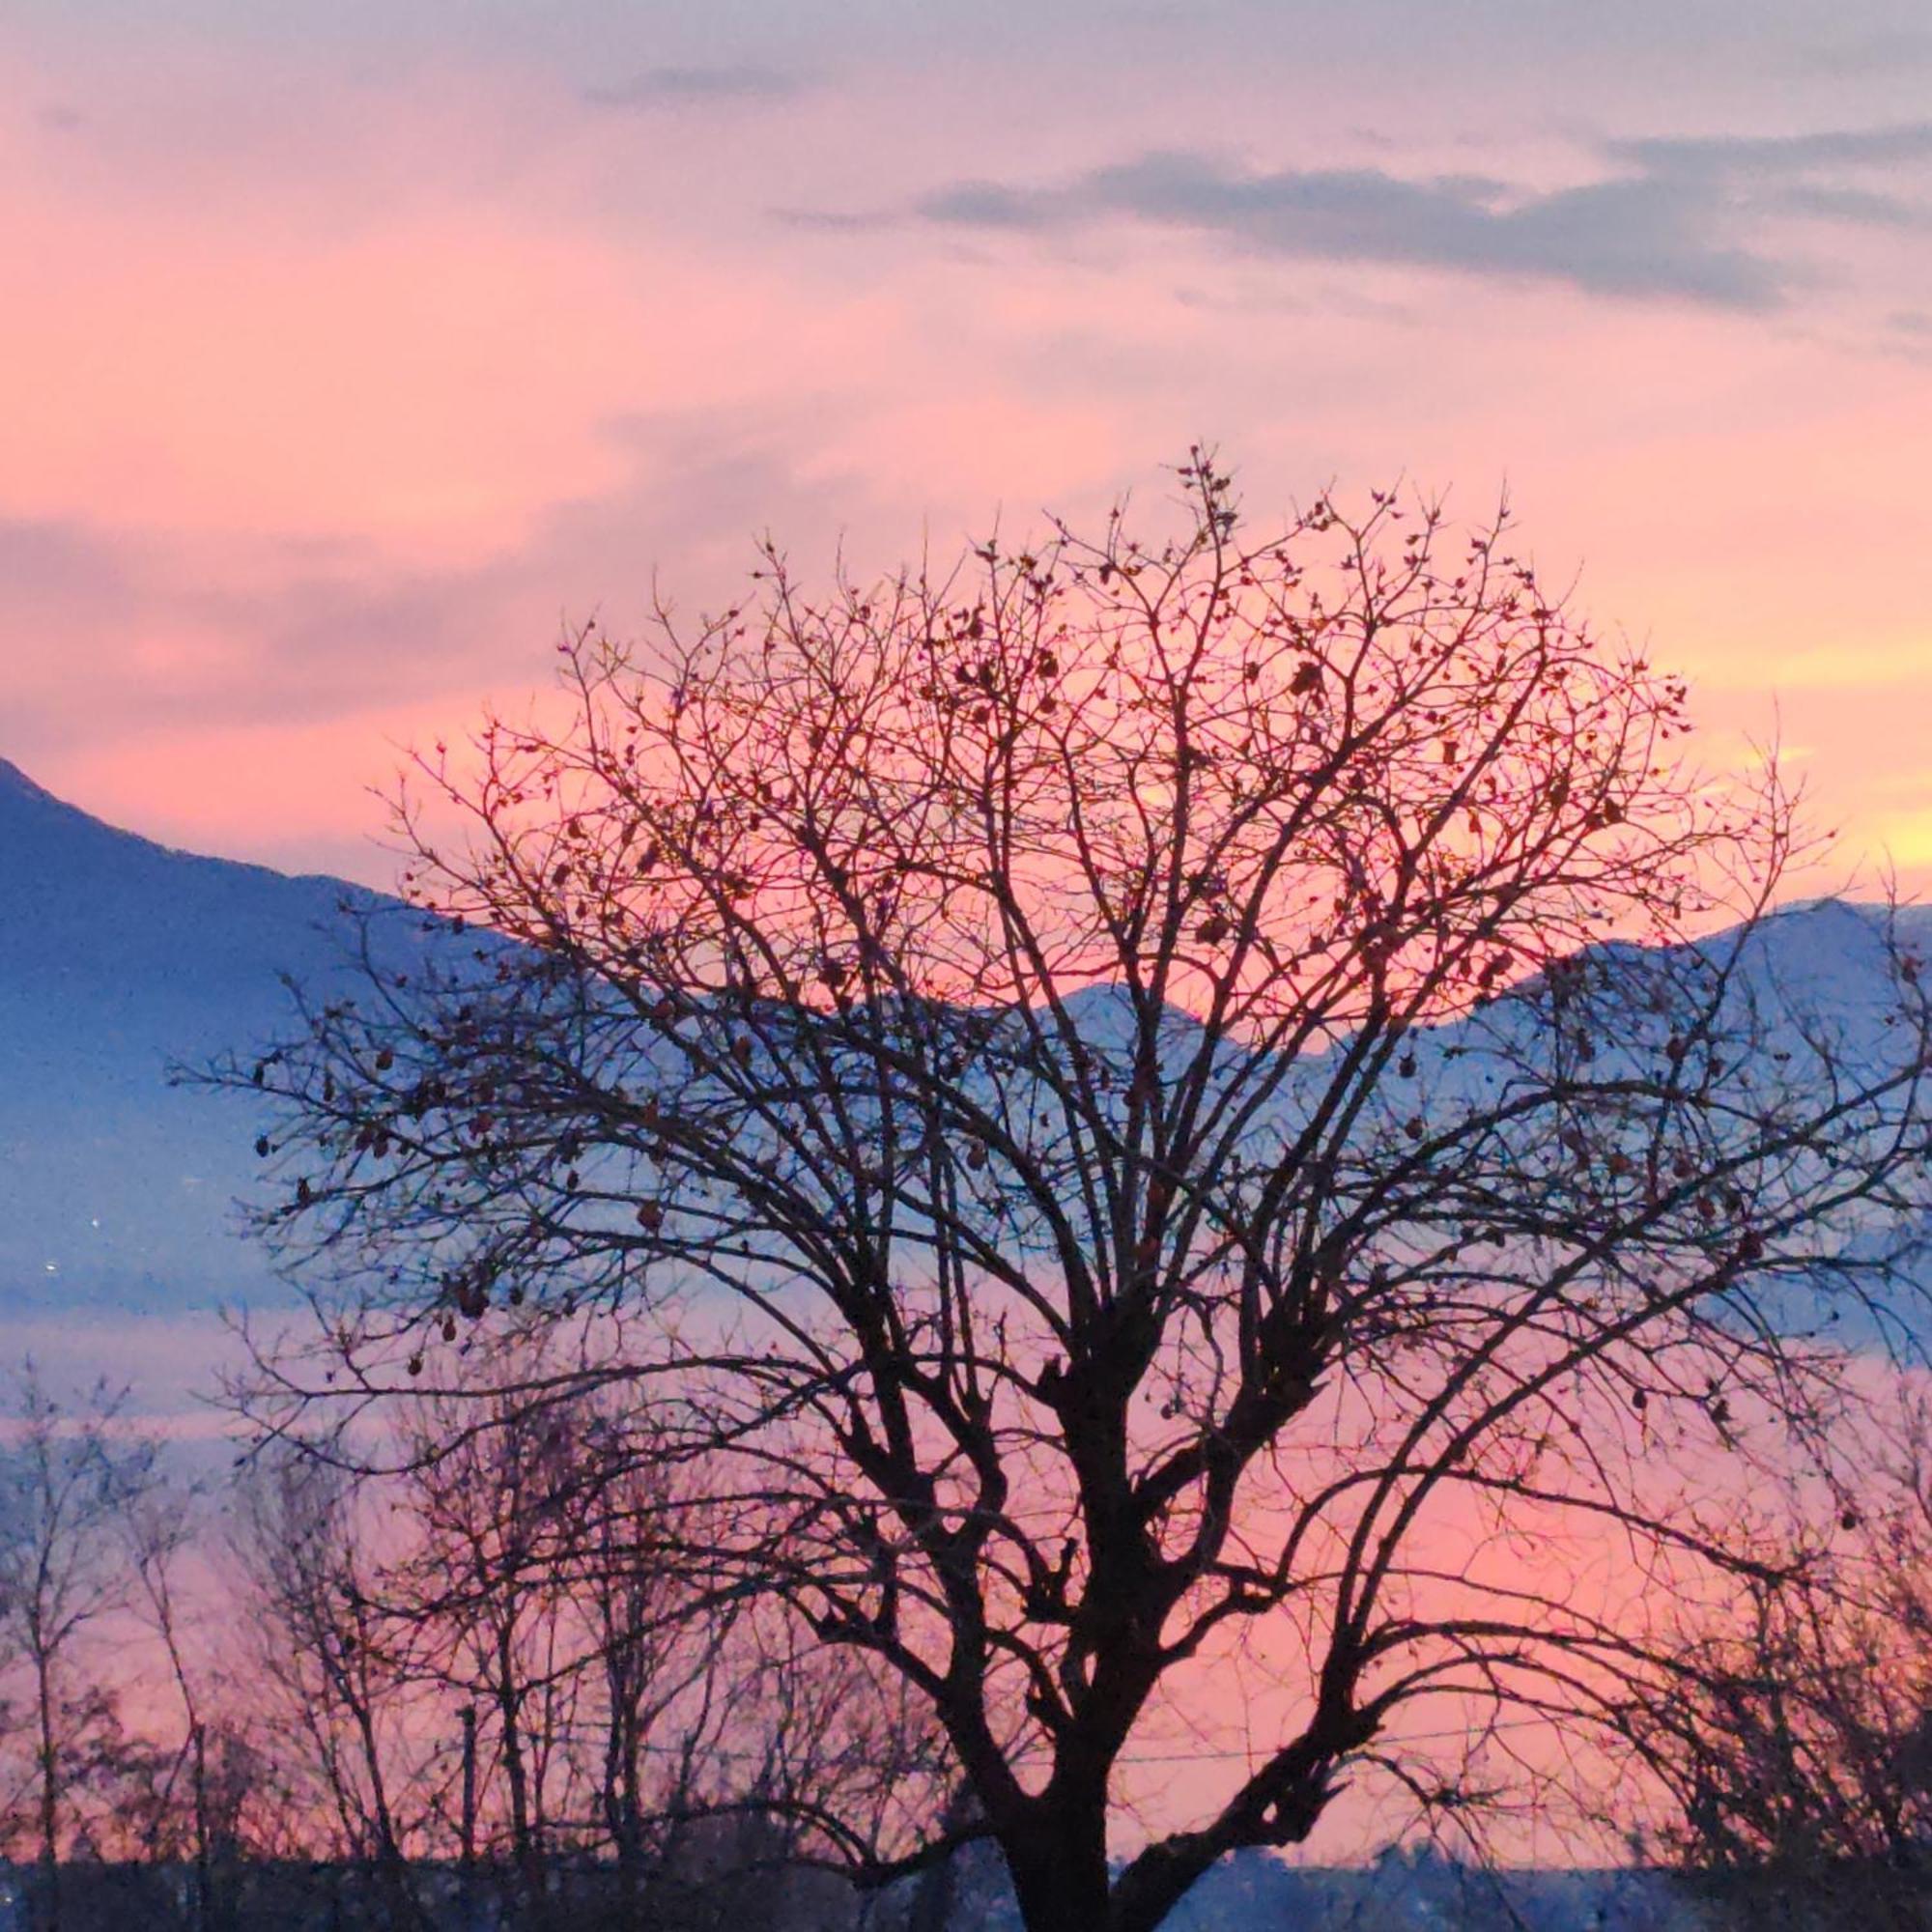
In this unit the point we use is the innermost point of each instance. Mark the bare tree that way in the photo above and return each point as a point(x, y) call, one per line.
point(480, 1505)
point(159, 1531)
point(474, 1594)
point(334, 1691)
point(539, 1577)
point(668, 1687)
point(1124, 1095)
point(68, 1477)
point(1795, 1747)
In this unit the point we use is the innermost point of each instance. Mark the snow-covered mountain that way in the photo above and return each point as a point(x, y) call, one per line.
point(116, 957)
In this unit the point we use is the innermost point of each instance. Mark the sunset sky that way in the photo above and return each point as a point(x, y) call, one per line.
point(349, 351)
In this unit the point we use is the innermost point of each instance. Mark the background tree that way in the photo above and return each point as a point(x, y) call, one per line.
point(1796, 1747)
point(329, 1686)
point(652, 1662)
point(522, 1587)
point(1096, 1091)
point(160, 1528)
point(480, 1637)
point(472, 1599)
point(69, 1475)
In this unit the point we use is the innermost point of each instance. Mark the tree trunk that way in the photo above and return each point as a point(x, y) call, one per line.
point(391, 1869)
point(203, 1902)
point(625, 1802)
point(49, 1915)
point(467, 1827)
point(526, 1855)
point(1058, 1860)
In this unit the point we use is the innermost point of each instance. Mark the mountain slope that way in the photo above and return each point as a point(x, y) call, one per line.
point(119, 956)
point(116, 957)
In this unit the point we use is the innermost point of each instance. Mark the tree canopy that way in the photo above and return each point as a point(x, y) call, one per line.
point(1122, 1100)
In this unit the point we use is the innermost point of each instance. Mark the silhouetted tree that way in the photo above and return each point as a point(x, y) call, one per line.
point(1116, 1097)
point(1794, 1747)
point(329, 1683)
point(473, 1594)
point(158, 1528)
point(68, 1474)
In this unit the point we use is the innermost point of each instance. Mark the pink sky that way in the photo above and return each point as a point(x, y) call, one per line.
point(349, 352)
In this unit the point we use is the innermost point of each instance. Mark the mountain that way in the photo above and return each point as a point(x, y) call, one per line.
point(118, 957)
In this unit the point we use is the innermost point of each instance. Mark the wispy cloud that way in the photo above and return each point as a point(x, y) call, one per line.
point(1667, 217)
point(662, 87)
point(1804, 174)
point(1853, 207)
point(316, 630)
point(1628, 237)
point(1777, 155)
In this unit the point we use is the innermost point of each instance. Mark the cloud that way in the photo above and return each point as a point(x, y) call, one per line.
point(1777, 155)
point(151, 632)
point(1802, 175)
point(51, 565)
point(1639, 236)
point(832, 220)
point(1855, 206)
point(987, 204)
point(660, 87)
point(1669, 217)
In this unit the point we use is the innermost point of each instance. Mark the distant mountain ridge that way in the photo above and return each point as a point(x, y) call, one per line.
point(118, 956)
